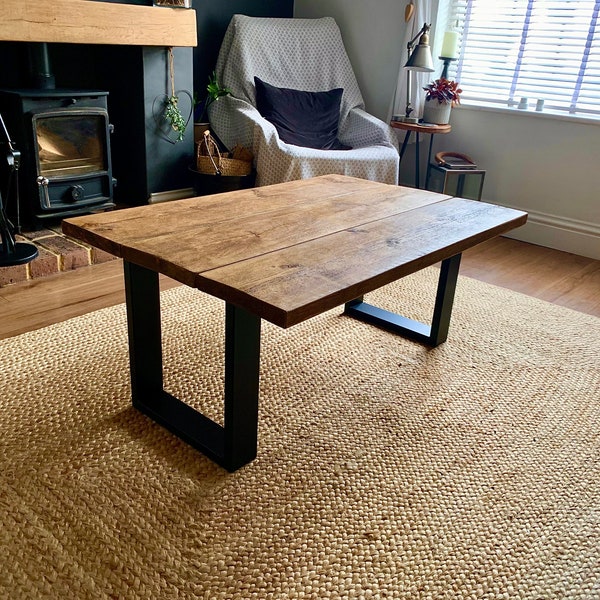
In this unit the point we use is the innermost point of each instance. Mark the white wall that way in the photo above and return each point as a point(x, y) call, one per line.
point(372, 39)
point(548, 167)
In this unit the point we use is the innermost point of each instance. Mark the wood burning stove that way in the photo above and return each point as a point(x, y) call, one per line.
point(64, 140)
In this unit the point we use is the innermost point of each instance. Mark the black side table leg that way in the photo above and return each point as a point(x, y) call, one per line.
point(231, 446)
point(402, 151)
point(404, 143)
point(428, 170)
point(417, 160)
point(432, 335)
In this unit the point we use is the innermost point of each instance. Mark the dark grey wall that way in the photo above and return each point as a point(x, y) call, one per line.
point(167, 161)
point(136, 79)
point(212, 19)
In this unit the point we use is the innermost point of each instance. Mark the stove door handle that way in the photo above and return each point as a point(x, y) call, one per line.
point(44, 195)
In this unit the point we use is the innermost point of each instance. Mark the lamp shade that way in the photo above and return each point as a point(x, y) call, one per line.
point(420, 59)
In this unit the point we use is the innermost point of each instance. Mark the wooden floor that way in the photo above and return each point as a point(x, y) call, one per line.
point(558, 277)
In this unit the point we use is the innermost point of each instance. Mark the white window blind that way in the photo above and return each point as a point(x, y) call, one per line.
point(538, 49)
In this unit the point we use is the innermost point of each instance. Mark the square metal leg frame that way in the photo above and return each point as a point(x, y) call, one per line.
point(235, 443)
point(431, 335)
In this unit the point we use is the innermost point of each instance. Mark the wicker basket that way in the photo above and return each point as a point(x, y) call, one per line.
point(211, 161)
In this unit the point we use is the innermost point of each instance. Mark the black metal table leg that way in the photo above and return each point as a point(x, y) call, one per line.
point(231, 446)
point(242, 366)
point(432, 335)
point(143, 323)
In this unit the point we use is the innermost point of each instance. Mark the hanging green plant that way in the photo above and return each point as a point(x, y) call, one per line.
point(172, 112)
point(174, 116)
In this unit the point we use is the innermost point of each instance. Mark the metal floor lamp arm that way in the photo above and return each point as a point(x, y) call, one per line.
point(11, 252)
point(8, 242)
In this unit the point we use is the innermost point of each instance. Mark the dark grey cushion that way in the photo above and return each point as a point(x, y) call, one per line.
point(308, 119)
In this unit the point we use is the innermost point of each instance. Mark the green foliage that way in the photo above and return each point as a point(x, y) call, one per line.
point(174, 116)
point(214, 88)
point(214, 91)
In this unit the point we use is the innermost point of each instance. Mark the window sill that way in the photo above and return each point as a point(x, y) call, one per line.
point(545, 114)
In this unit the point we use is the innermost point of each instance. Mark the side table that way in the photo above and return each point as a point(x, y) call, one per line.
point(463, 183)
point(418, 128)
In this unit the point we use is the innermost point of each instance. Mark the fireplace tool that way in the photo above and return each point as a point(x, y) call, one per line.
point(12, 252)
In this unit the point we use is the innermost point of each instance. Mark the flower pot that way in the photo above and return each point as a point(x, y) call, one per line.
point(436, 112)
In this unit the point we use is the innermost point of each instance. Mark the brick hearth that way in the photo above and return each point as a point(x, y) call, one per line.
point(57, 253)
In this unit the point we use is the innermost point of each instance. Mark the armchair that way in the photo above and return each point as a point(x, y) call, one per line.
point(307, 55)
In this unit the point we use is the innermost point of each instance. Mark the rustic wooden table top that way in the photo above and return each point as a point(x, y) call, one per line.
point(290, 251)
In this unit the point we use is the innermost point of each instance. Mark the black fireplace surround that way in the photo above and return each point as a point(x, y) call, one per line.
point(144, 164)
point(95, 83)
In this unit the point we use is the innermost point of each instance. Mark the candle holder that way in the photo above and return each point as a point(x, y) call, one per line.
point(446, 60)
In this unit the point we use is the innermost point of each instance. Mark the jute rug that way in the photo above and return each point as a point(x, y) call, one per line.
point(385, 469)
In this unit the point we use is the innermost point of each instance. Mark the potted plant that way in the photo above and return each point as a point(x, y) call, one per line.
point(214, 90)
point(441, 95)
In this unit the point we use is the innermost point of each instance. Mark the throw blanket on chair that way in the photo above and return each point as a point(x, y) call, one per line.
point(299, 54)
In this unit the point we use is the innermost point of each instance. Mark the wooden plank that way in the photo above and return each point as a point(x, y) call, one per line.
point(298, 282)
point(88, 22)
point(500, 261)
point(559, 277)
point(183, 238)
point(40, 302)
point(132, 226)
point(290, 251)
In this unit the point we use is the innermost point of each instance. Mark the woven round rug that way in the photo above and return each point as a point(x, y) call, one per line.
point(385, 469)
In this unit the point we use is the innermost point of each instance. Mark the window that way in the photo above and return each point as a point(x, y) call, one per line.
point(537, 49)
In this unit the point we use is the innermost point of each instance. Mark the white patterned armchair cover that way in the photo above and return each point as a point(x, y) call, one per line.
point(308, 55)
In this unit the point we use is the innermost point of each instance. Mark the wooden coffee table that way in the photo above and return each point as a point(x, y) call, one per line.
point(283, 253)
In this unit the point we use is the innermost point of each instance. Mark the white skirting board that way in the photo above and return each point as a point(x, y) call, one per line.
point(560, 233)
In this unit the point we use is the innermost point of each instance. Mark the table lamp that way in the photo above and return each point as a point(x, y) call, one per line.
point(419, 59)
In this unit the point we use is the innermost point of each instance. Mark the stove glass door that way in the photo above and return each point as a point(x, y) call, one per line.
point(70, 145)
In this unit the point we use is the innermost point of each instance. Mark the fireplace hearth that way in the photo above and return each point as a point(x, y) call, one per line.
point(64, 140)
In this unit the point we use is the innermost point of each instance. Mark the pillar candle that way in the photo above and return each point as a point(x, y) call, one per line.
point(450, 45)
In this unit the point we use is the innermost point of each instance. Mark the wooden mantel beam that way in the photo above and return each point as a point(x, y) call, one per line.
point(89, 22)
